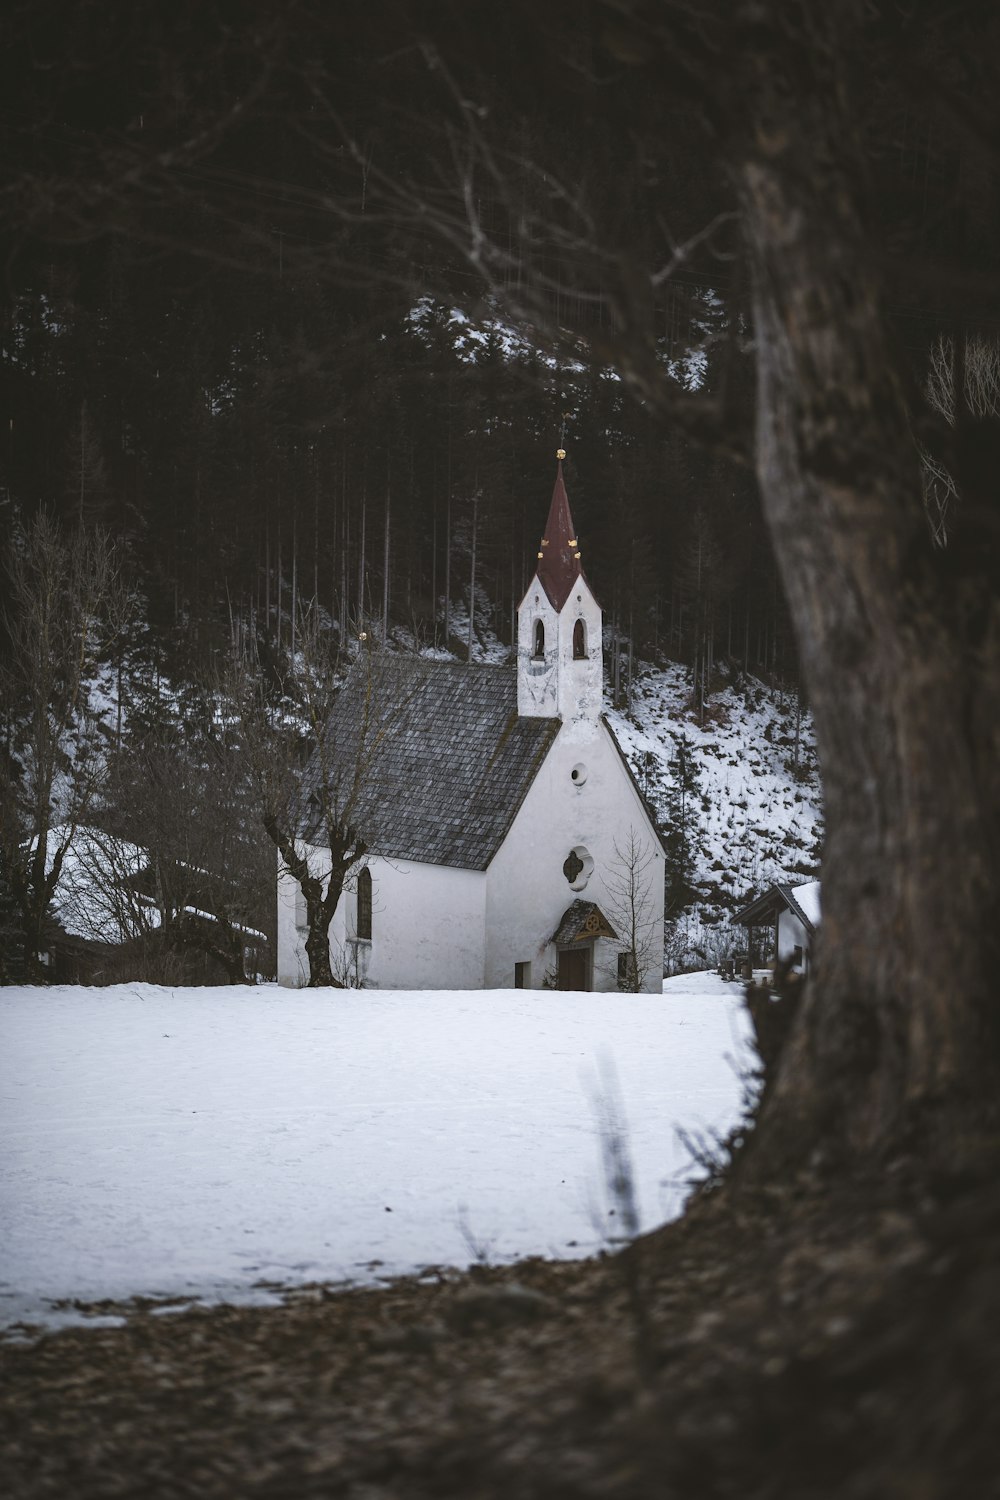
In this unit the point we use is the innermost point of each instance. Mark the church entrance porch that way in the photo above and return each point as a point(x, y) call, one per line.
point(574, 968)
point(579, 928)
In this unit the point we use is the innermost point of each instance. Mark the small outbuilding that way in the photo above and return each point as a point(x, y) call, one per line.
point(791, 914)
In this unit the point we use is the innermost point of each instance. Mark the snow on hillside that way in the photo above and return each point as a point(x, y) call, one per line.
point(752, 816)
point(486, 644)
point(472, 339)
point(222, 1143)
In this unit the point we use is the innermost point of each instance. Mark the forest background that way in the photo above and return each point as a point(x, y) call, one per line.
point(243, 361)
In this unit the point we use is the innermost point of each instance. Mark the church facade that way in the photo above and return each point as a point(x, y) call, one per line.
point(509, 845)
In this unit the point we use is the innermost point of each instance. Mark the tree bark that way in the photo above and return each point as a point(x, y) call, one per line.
point(900, 644)
point(319, 910)
point(345, 849)
point(318, 950)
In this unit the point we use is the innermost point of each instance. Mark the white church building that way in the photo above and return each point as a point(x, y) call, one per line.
point(509, 844)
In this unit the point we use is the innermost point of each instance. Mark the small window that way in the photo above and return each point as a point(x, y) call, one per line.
point(797, 956)
point(628, 971)
point(539, 639)
point(365, 904)
point(522, 976)
point(579, 641)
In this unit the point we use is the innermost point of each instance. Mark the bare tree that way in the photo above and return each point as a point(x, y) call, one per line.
point(975, 361)
point(201, 882)
point(87, 481)
point(67, 603)
point(632, 909)
point(101, 895)
point(308, 779)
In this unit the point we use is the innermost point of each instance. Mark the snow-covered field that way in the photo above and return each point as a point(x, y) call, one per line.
point(211, 1143)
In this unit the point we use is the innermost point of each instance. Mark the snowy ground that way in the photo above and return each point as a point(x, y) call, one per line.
point(211, 1142)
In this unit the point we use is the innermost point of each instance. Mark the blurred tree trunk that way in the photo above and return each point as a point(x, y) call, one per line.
point(900, 644)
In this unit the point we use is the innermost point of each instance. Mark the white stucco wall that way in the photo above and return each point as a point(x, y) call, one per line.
point(527, 891)
point(537, 680)
point(428, 928)
point(559, 686)
point(791, 935)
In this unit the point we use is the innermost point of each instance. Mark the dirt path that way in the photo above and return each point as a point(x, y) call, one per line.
point(793, 1345)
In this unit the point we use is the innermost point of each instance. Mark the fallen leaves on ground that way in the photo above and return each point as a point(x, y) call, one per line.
point(799, 1343)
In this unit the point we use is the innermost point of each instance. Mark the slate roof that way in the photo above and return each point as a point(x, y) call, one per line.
point(581, 922)
point(445, 760)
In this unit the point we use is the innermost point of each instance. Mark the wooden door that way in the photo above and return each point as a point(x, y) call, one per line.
point(573, 969)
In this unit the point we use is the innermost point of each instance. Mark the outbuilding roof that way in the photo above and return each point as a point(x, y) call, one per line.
point(802, 900)
point(431, 756)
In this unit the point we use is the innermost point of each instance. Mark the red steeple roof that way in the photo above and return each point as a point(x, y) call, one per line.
point(559, 554)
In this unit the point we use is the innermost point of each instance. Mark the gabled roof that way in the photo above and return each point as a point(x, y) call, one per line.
point(803, 901)
point(559, 564)
point(444, 760)
point(582, 922)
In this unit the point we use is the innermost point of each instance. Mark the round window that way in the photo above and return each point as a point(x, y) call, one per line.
point(578, 775)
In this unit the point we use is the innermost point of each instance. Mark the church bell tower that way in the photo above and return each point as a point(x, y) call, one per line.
point(559, 627)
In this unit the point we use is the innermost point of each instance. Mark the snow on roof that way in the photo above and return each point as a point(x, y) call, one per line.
point(93, 899)
point(802, 900)
point(807, 899)
point(211, 916)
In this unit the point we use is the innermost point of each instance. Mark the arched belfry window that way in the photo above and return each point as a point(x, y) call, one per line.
point(579, 641)
point(539, 638)
point(365, 903)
